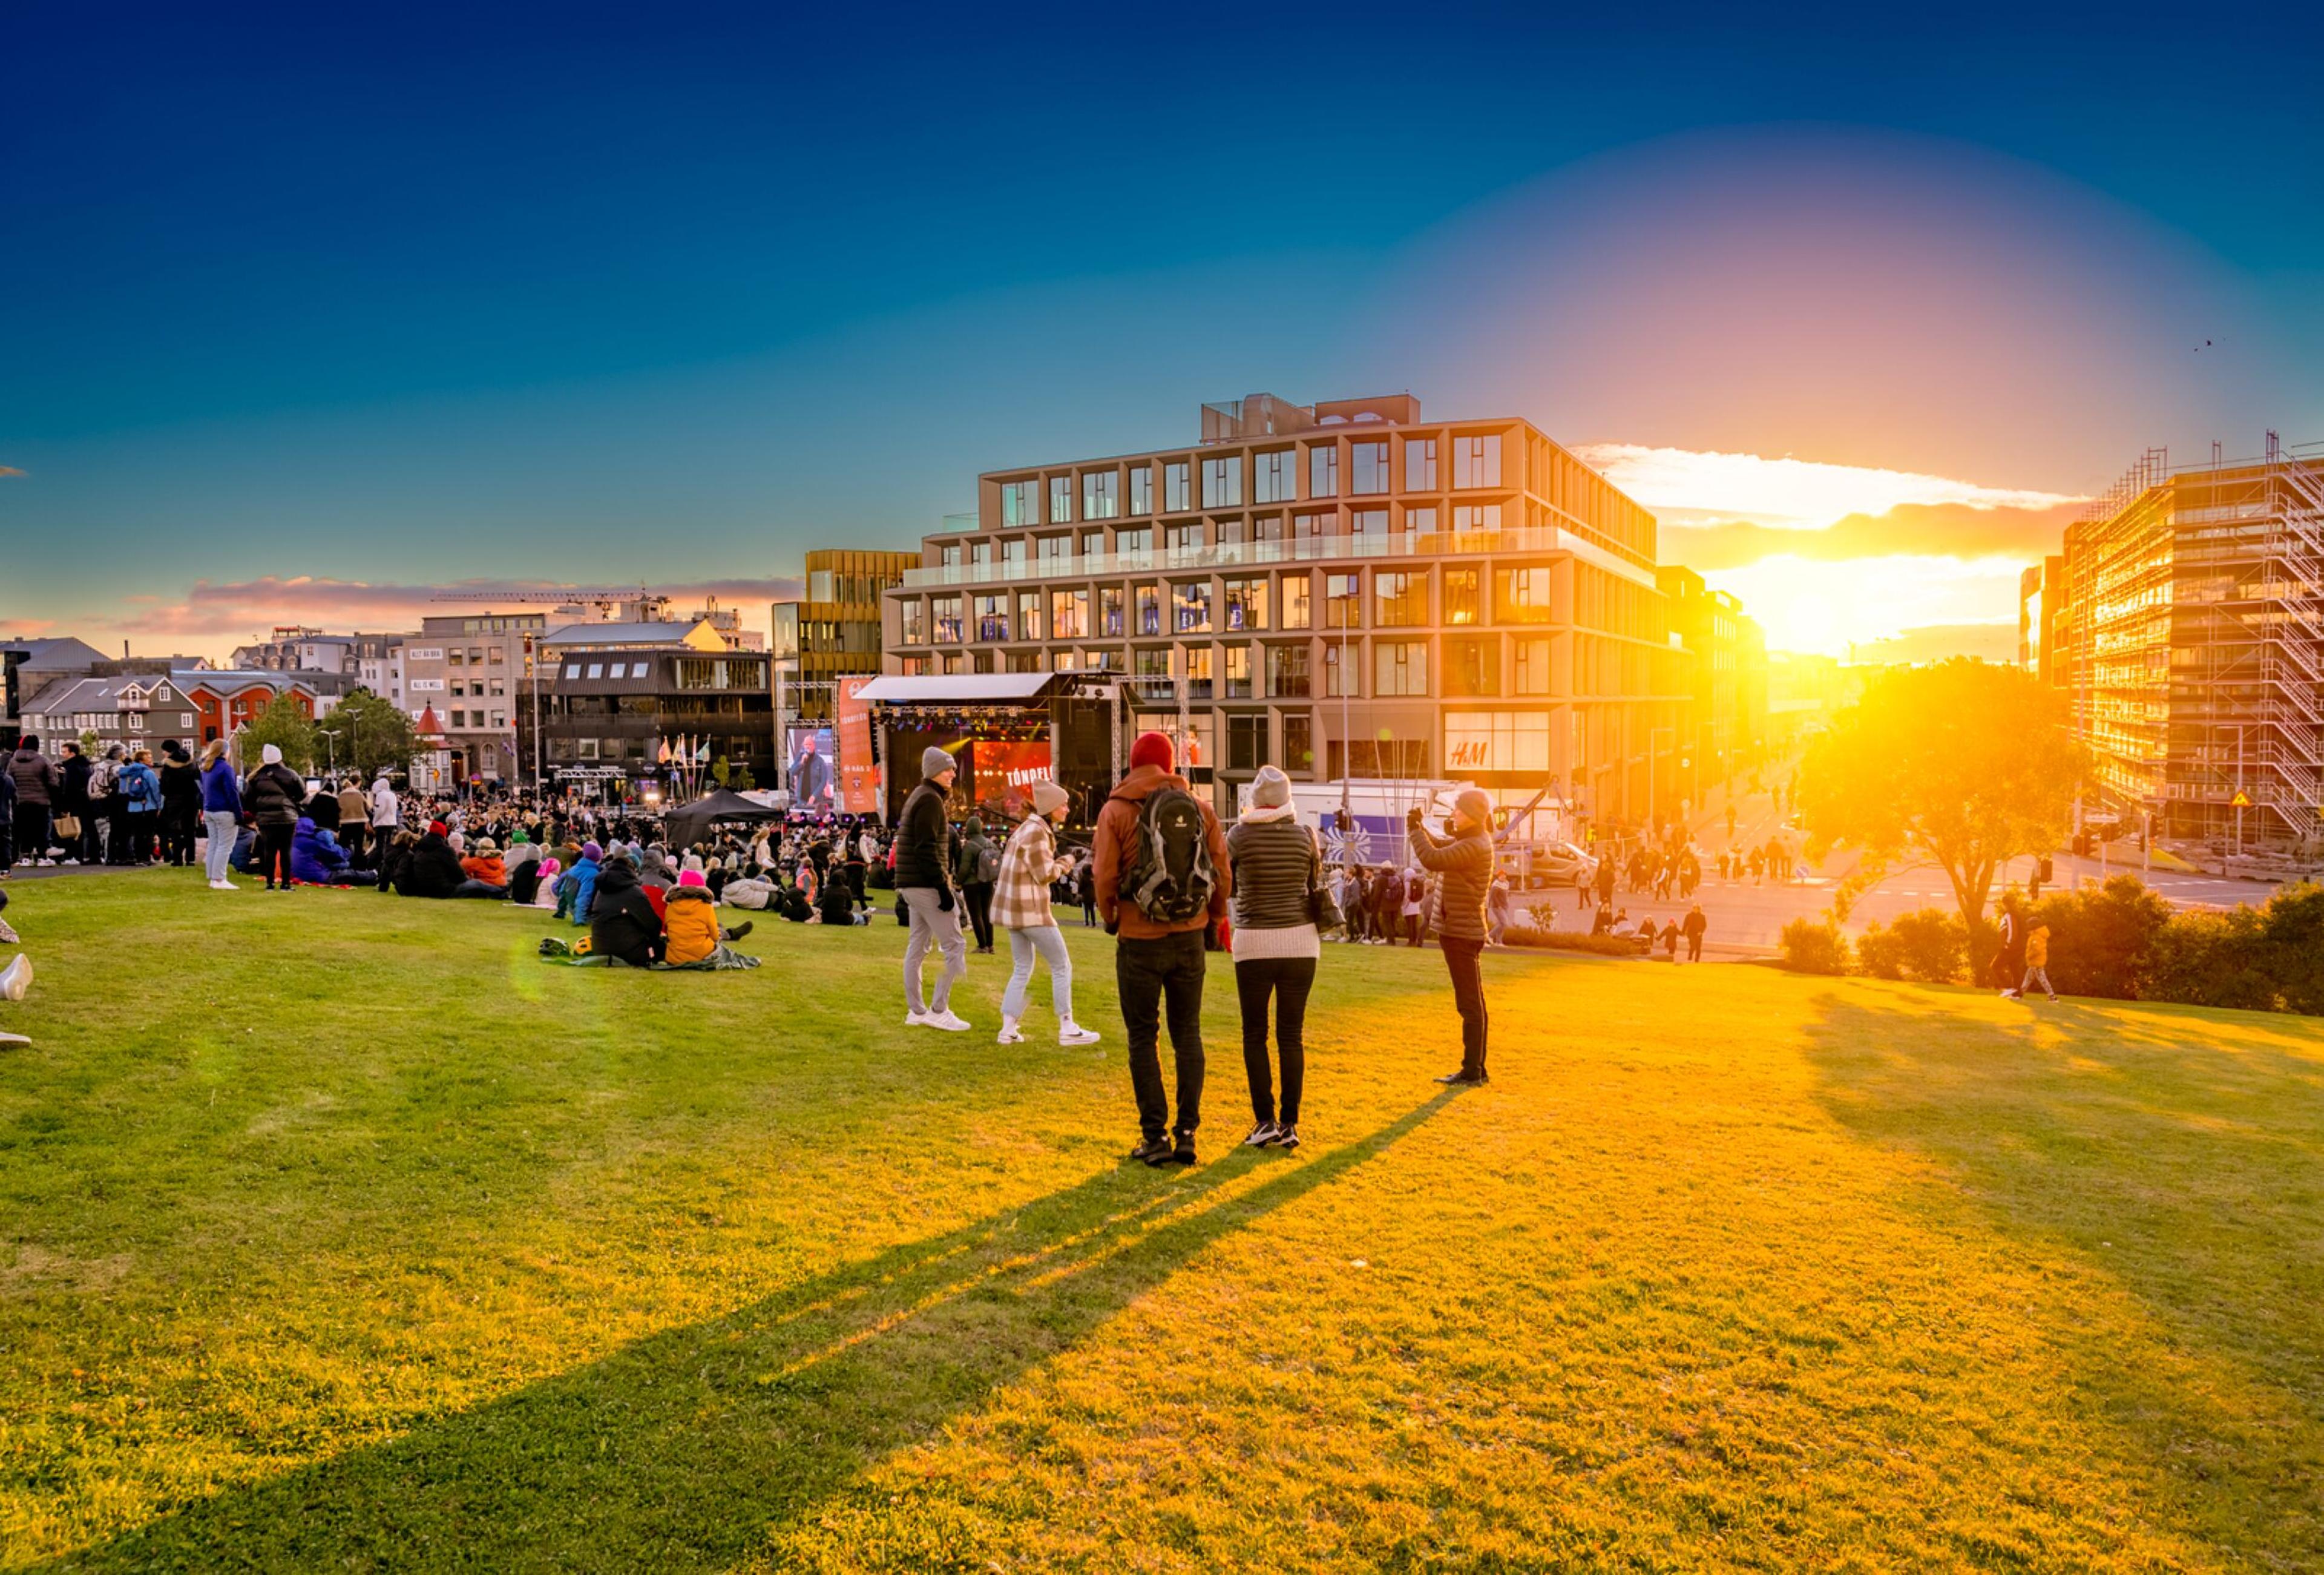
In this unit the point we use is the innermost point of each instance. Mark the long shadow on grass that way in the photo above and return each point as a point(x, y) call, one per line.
point(689, 1449)
point(2182, 1162)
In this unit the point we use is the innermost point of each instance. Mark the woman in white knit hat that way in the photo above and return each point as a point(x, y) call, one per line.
point(1020, 904)
point(1277, 865)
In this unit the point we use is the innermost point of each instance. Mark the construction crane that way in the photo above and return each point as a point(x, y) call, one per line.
point(601, 602)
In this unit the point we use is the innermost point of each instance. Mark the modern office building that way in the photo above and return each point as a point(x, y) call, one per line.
point(2190, 645)
point(2041, 602)
point(834, 631)
point(473, 670)
point(1342, 588)
point(1724, 728)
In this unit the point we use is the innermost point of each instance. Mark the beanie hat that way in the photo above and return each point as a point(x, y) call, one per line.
point(1474, 803)
point(272, 755)
point(974, 826)
point(691, 878)
point(592, 850)
point(1048, 798)
point(934, 762)
point(438, 827)
point(484, 845)
point(691, 862)
point(1153, 749)
point(1271, 790)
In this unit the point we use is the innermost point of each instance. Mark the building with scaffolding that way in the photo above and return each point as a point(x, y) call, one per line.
point(2191, 644)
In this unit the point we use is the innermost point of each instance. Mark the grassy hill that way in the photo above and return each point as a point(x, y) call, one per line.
point(337, 1232)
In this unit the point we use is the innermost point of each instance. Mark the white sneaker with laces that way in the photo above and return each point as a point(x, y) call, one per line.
point(1070, 1034)
point(224, 885)
point(1010, 1033)
point(915, 1019)
point(950, 1021)
point(17, 978)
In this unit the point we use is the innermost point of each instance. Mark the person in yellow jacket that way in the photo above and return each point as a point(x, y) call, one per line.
point(690, 923)
point(2037, 962)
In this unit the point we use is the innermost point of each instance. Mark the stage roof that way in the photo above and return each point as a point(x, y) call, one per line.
point(962, 689)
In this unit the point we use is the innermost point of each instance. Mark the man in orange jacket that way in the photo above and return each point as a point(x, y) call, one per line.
point(1162, 882)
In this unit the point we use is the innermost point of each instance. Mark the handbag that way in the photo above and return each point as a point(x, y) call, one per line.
point(67, 825)
point(1322, 910)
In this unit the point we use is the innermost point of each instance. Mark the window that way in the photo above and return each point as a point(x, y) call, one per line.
point(1307, 527)
point(588, 748)
point(459, 719)
point(597, 670)
point(1367, 469)
point(1198, 672)
point(1324, 471)
point(1069, 614)
point(1190, 604)
point(1183, 537)
point(1135, 543)
point(1222, 482)
point(1287, 671)
point(1532, 673)
point(1524, 597)
point(1420, 464)
point(1400, 667)
point(1420, 521)
point(1296, 611)
point(1093, 543)
point(476, 656)
point(1149, 610)
point(1268, 528)
point(1476, 461)
point(993, 617)
point(948, 555)
point(1101, 494)
point(452, 657)
point(1061, 498)
point(1274, 477)
point(1141, 489)
point(572, 669)
point(185, 719)
point(1029, 614)
point(1336, 673)
point(1246, 742)
point(1177, 490)
point(980, 552)
point(1239, 673)
point(1108, 610)
point(1497, 740)
point(1298, 741)
point(1472, 667)
point(1343, 602)
point(1024, 661)
point(1399, 601)
point(1394, 759)
point(1054, 549)
point(1012, 557)
point(500, 719)
point(1370, 527)
point(1477, 517)
point(1246, 603)
point(945, 610)
point(1463, 597)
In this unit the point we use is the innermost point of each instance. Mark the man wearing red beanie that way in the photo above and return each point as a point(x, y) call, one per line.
point(1162, 882)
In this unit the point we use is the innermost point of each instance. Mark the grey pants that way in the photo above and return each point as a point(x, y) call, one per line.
point(1049, 943)
point(932, 926)
point(220, 824)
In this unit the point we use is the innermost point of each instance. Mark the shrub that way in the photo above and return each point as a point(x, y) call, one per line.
point(1933, 945)
point(2210, 959)
point(1880, 953)
point(1812, 945)
point(2293, 925)
point(1526, 929)
point(2103, 938)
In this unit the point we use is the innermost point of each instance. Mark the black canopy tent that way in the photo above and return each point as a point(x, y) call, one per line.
point(690, 823)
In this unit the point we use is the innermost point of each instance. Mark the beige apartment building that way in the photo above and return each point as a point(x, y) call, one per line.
point(1340, 588)
point(472, 669)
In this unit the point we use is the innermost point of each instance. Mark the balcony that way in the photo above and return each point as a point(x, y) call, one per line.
point(1262, 554)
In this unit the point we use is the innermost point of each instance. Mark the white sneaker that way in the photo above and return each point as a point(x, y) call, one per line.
point(17, 978)
point(950, 1021)
point(1010, 1033)
point(9, 937)
point(224, 885)
point(1070, 1033)
point(915, 1019)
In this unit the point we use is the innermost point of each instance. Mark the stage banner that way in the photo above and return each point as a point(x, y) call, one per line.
point(858, 778)
point(1003, 774)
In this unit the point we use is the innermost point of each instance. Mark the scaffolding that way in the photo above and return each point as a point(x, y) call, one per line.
point(2196, 606)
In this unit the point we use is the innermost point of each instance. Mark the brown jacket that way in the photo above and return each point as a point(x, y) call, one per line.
point(1117, 837)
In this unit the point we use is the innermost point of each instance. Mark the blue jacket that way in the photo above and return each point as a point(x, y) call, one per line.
point(581, 882)
point(221, 793)
point(140, 790)
point(316, 856)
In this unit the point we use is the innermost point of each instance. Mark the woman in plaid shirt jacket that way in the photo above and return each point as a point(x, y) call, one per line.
point(1020, 904)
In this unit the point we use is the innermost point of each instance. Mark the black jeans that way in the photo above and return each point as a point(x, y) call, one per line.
point(1463, 962)
point(1146, 974)
point(978, 897)
point(1289, 980)
point(274, 853)
point(178, 824)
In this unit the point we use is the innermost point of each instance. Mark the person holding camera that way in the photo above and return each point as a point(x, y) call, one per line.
point(1462, 861)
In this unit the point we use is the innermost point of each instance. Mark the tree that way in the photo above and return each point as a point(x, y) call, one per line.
point(287, 727)
point(735, 778)
point(365, 733)
point(1965, 763)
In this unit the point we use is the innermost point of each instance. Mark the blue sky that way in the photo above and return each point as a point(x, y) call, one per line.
point(403, 296)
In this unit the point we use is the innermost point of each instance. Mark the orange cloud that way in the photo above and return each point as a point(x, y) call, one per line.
point(1951, 530)
point(6, 470)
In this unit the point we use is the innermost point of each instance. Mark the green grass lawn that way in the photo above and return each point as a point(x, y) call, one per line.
point(337, 1233)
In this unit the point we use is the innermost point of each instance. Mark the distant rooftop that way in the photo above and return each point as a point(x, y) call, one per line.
point(1267, 415)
